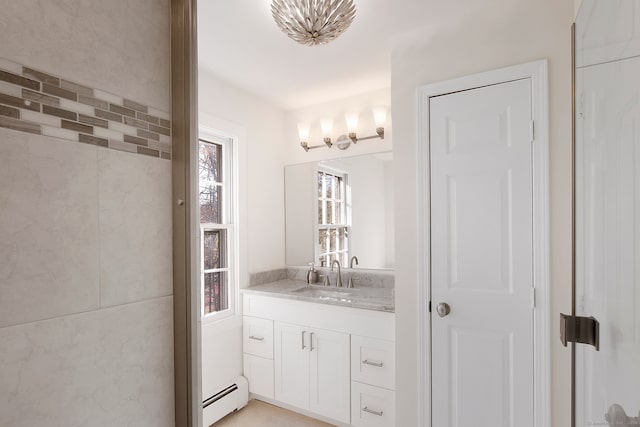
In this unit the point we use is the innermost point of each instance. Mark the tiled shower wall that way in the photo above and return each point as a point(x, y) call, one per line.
point(37, 102)
point(85, 214)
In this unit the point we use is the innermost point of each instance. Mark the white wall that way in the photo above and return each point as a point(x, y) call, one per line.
point(520, 32)
point(259, 128)
point(263, 166)
point(389, 215)
point(85, 231)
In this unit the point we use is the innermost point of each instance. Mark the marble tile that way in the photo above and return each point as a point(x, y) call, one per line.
point(363, 278)
point(122, 45)
point(48, 223)
point(367, 298)
point(263, 277)
point(135, 227)
point(107, 368)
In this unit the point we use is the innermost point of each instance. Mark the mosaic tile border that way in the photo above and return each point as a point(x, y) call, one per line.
point(40, 103)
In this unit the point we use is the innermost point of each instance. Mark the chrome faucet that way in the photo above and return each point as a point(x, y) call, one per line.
point(339, 281)
point(353, 258)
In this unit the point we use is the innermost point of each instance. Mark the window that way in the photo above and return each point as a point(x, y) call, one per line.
point(333, 227)
point(216, 225)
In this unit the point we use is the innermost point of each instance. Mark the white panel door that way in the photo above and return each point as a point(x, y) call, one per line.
point(481, 250)
point(291, 358)
point(330, 374)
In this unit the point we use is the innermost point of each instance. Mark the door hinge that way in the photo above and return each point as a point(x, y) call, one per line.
point(533, 298)
point(582, 330)
point(429, 306)
point(532, 130)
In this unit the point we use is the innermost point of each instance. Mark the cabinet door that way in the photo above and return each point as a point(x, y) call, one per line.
point(291, 360)
point(259, 373)
point(329, 374)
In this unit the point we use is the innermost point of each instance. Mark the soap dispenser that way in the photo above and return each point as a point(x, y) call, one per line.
point(312, 274)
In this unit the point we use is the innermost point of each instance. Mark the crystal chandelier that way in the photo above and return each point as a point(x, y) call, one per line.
point(313, 22)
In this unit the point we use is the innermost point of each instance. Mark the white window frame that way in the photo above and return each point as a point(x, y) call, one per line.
point(229, 224)
point(346, 214)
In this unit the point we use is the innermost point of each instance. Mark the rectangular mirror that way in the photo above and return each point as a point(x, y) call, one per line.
point(340, 209)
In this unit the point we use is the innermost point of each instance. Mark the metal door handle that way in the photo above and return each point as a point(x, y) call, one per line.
point(371, 411)
point(443, 309)
point(376, 364)
point(303, 346)
point(311, 341)
point(256, 338)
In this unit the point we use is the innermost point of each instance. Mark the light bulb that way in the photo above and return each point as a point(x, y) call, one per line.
point(352, 122)
point(379, 115)
point(327, 127)
point(303, 132)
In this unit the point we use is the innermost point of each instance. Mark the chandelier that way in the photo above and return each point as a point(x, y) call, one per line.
point(313, 22)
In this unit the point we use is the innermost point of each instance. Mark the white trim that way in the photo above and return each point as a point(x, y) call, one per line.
point(537, 72)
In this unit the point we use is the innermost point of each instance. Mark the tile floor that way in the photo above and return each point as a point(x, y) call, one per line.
point(261, 414)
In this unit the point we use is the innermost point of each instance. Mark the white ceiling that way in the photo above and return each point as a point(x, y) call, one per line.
point(239, 42)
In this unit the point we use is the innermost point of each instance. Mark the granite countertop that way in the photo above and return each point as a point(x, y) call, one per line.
point(378, 299)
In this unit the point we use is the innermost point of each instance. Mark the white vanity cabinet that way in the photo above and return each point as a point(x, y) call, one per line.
point(335, 362)
point(312, 370)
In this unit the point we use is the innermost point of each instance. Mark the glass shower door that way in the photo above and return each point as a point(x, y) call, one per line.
point(607, 211)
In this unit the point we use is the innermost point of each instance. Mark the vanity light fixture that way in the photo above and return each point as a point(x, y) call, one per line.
point(313, 22)
point(344, 141)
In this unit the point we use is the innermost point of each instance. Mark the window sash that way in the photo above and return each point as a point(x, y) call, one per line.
point(226, 195)
point(332, 214)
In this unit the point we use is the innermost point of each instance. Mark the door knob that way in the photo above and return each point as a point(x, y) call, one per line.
point(443, 309)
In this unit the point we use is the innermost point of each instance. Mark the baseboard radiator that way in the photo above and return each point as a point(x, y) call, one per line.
point(228, 400)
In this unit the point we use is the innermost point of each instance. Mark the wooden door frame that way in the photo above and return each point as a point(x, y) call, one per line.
point(184, 103)
point(537, 72)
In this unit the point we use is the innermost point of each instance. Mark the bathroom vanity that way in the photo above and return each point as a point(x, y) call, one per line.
point(325, 351)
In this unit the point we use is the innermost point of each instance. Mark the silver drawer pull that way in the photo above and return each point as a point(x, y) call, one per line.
point(256, 338)
point(371, 411)
point(376, 364)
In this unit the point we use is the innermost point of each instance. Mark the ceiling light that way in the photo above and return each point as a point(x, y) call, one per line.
point(313, 22)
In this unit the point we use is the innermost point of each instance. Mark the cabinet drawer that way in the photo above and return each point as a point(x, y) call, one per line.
point(373, 361)
point(372, 406)
point(259, 374)
point(257, 336)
